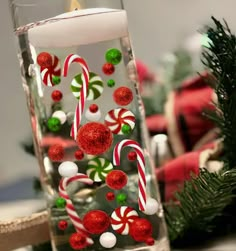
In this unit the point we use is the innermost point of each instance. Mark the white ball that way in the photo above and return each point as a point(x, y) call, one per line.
point(151, 206)
point(60, 115)
point(93, 116)
point(68, 169)
point(107, 240)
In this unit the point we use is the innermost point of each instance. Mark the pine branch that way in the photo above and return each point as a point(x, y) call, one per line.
point(220, 59)
point(200, 201)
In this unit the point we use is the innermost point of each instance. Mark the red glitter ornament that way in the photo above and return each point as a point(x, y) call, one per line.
point(56, 152)
point(141, 229)
point(108, 68)
point(62, 225)
point(123, 96)
point(93, 108)
point(150, 241)
point(110, 196)
point(94, 138)
point(56, 95)
point(116, 179)
point(96, 221)
point(78, 241)
point(44, 59)
point(132, 156)
point(79, 155)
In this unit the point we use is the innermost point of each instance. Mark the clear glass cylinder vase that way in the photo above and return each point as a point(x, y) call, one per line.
point(79, 76)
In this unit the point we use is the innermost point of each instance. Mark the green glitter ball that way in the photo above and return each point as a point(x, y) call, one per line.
point(111, 82)
point(56, 80)
point(113, 56)
point(126, 129)
point(121, 198)
point(60, 202)
point(54, 124)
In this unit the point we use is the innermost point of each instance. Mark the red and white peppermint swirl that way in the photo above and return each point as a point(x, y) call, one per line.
point(70, 208)
point(116, 118)
point(141, 167)
point(121, 219)
point(72, 58)
point(48, 73)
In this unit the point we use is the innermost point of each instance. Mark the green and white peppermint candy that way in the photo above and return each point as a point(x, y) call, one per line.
point(98, 168)
point(95, 86)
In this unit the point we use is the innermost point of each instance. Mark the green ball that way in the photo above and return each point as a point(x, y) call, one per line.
point(54, 124)
point(126, 129)
point(56, 80)
point(60, 202)
point(113, 56)
point(111, 82)
point(121, 198)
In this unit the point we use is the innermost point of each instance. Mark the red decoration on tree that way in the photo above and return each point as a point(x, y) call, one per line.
point(110, 196)
point(44, 59)
point(150, 241)
point(141, 229)
point(123, 96)
point(56, 95)
point(62, 225)
point(79, 155)
point(116, 179)
point(108, 68)
point(132, 156)
point(78, 241)
point(93, 108)
point(96, 221)
point(94, 138)
point(56, 152)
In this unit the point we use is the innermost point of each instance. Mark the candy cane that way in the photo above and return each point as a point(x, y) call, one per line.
point(71, 211)
point(72, 58)
point(141, 167)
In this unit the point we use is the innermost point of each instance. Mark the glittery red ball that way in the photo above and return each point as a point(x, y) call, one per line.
point(96, 221)
point(56, 95)
point(150, 241)
point(56, 152)
point(94, 138)
point(79, 155)
point(123, 96)
point(116, 179)
point(110, 196)
point(108, 68)
point(44, 59)
point(62, 225)
point(140, 229)
point(78, 241)
point(93, 108)
point(132, 156)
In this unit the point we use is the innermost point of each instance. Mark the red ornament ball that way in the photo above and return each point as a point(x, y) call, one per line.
point(123, 96)
point(44, 59)
point(62, 225)
point(150, 241)
point(132, 156)
point(78, 241)
point(141, 230)
point(56, 95)
point(116, 179)
point(56, 152)
point(108, 68)
point(79, 155)
point(96, 221)
point(110, 196)
point(93, 108)
point(94, 138)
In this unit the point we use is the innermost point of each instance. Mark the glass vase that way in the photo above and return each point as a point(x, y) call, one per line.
point(91, 142)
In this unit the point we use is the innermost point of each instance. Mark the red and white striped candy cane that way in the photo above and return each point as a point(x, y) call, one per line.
point(70, 208)
point(141, 167)
point(72, 58)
